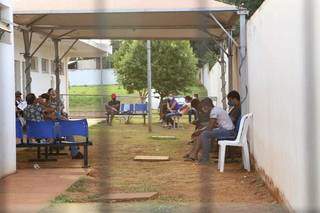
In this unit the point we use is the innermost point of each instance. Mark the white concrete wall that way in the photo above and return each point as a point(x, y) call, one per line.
point(211, 79)
point(89, 64)
point(92, 77)
point(7, 108)
point(277, 94)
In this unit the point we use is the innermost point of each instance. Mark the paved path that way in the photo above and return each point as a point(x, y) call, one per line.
point(30, 190)
point(146, 207)
point(94, 121)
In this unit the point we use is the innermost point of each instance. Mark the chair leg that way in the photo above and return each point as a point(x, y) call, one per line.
point(246, 157)
point(85, 155)
point(222, 153)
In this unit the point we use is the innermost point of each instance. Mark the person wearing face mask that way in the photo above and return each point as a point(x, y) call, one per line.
point(112, 108)
point(220, 126)
point(172, 106)
point(234, 106)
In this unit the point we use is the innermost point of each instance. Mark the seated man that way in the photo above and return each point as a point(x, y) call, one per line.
point(235, 106)
point(112, 108)
point(220, 126)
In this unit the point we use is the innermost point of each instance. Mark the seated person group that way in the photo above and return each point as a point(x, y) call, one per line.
point(211, 122)
point(47, 106)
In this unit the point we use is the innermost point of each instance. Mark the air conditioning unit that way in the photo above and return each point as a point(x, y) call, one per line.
point(4, 26)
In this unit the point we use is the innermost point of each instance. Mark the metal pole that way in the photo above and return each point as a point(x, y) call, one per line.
point(242, 60)
point(101, 71)
point(149, 85)
point(223, 78)
point(27, 58)
point(230, 64)
point(57, 65)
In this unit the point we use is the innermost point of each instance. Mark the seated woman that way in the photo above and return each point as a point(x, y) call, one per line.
point(173, 107)
point(56, 103)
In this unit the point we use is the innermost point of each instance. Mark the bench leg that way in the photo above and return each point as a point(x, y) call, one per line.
point(46, 152)
point(38, 152)
point(85, 155)
point(144, 119)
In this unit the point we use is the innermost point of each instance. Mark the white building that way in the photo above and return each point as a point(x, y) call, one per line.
point(42, 64)
point(92, 71)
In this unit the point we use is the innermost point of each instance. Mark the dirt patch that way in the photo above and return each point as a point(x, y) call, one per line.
point(113, 169)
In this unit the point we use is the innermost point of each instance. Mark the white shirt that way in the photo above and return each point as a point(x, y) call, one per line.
point(223, 119)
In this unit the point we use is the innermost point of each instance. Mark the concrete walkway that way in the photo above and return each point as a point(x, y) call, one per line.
point(94, 121)
point(30, 190)
point(151, 206)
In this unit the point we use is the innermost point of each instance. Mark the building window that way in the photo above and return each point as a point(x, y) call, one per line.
point(45, 65)
point(34, 64)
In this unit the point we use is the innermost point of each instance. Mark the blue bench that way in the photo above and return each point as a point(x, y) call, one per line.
point(54, 134)
point(127, 111)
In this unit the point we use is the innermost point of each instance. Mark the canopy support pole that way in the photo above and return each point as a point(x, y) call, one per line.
point(243, 60)
point(230, 63)
point(224, 30)
point(149, 71)
point(57, 65)
point(223, 78)
point(27, 36)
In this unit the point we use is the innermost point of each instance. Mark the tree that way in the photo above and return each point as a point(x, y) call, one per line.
point(206, 50)
point(173, 66)
point(251, 5)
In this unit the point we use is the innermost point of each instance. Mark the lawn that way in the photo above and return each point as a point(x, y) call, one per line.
point(113, 170)
point(92, 98)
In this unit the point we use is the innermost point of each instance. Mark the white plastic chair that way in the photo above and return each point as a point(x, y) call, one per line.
point(241, 141)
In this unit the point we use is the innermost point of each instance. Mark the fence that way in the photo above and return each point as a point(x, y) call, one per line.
point(94, 105)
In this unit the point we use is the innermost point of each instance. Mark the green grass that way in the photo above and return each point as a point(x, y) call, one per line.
point(92, 98)
point(62, 199)
point(78, 186)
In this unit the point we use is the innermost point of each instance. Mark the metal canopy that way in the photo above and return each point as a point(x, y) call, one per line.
point(125, 19)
